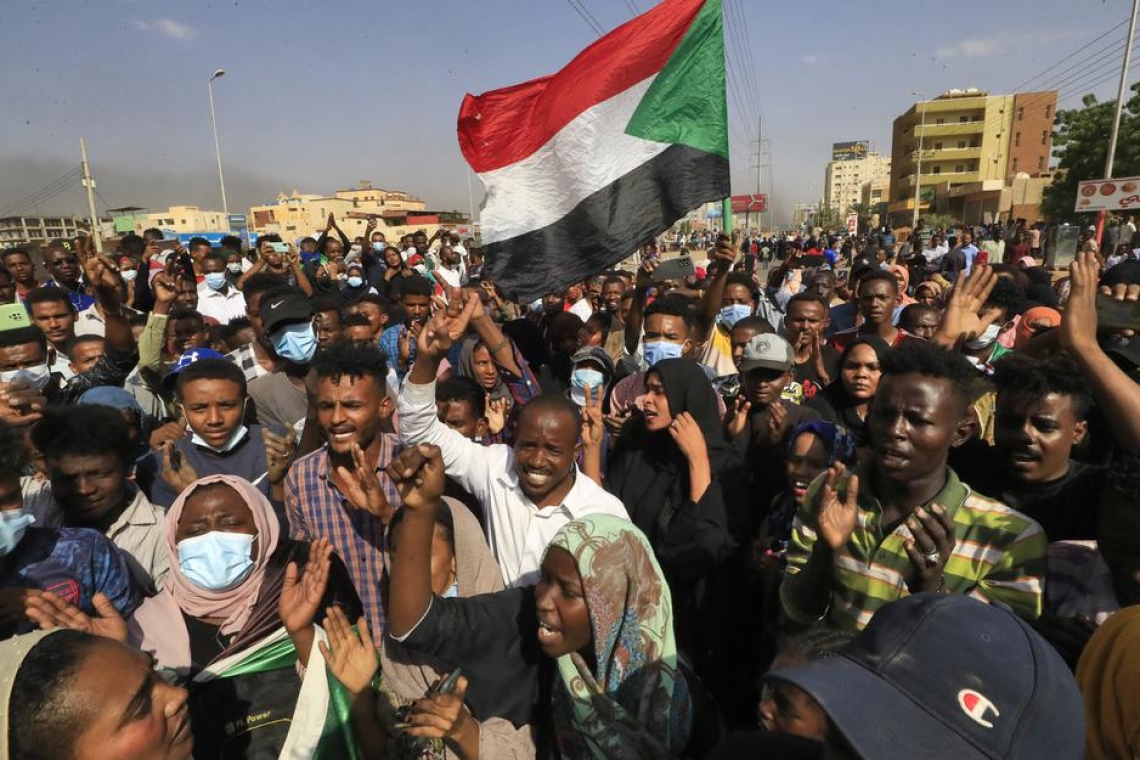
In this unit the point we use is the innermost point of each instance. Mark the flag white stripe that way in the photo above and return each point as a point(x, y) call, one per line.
point(588, 154)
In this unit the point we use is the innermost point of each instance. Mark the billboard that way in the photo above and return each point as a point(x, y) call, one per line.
point(744, 203)
point(849, 151)
point(1109, 194)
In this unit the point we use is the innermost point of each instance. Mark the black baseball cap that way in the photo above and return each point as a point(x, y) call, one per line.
point(947, 677)
point(278, 310)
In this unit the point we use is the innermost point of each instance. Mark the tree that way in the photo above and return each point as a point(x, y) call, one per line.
point(827, 218)
point(864, 211)
point(1080, 140)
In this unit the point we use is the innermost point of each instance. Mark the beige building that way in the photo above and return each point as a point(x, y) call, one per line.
point(39, 230)
point(398, 213)
point(183, 219)
point(973, 144)
point(845, 178)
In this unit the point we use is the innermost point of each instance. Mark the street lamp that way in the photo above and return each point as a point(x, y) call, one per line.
point(217, 145)
point(918, 163)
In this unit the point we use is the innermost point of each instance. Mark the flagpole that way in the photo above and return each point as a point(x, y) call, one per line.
point(726, 216)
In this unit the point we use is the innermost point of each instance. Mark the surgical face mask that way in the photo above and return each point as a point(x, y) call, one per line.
point(234, 267)
point(584, 376)
point(355, 282)
point(13, 524)
point(234, 440)
point(986, 339)
point(129, 275)
point(216, 561)
point(656, 350)
point(296, 343)
point(378, 247)
point(37, 377)
point(733, 313)
point(215, 280)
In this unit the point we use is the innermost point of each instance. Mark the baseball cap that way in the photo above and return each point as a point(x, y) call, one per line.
point(594, 354)
point(947, 677)
point(280, 310)
point(188, 358)
point(767, 351)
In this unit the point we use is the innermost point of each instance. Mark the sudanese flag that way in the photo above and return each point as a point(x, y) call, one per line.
point(584, 166)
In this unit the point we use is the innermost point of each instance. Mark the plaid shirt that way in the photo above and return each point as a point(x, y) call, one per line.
point(390, 345)
point(317, 509)
point(999, 556)
point(244, 357)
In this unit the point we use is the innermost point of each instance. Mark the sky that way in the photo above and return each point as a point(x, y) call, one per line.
point(319, 95)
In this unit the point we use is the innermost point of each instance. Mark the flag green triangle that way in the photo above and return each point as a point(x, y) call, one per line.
point(686, 103)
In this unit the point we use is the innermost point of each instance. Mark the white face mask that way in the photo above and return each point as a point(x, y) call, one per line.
point(37, 377)
point(235, 438)
point(986, 339)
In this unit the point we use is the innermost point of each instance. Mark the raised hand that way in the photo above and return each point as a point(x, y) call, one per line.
point(736, 418)
point(593, 424)
point(965, 317)
point(48, 611)
point(301, 594)
point(930, 548)
point(418, 474)
point(724, 254)
point(362, 486)
point(688, 436)
point(1078, 328)
point(176, 471)
point(350, 658)
point(836, 517)
point(817, 358)
point(100, 272)
point(21, 404)
point(447, 325)
point(645, 273)
point(278, 454)
point(165, 291)
point(496, 414)
point(777, 420)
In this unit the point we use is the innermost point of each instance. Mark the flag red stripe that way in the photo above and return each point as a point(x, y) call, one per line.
point(500, 127)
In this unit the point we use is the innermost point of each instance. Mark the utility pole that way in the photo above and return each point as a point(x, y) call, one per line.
point(90, 185)
point(918, 166)
point(1121, 90)
point(217, 145)
point(759, 155)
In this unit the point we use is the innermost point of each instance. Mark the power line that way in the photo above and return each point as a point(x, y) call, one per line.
point(47, 192)
point(744, 58)
point(1092, 85)
point(631, 8)
point(1070, 55)
point(588, 17)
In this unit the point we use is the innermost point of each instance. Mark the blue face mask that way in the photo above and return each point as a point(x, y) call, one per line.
point(355, 282)
point(296, 343)
point(216, 561)
point(378, 247)
point(13, 524)
point(580, 378)
point(216, 280)
point(656, 350)
point(733, 313)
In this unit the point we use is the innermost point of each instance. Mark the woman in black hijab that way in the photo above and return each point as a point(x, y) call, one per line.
point(687, 488)
point(846, 399)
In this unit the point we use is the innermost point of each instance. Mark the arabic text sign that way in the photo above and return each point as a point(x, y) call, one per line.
point(1109, 194)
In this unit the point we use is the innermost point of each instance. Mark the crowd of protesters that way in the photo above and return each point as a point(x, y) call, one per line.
point(853, 497)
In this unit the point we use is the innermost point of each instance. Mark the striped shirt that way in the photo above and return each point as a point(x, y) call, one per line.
point(316, 508)
point(999, 557)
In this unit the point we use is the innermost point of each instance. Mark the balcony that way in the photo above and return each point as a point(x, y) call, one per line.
point(955, 178)
point(950, 129)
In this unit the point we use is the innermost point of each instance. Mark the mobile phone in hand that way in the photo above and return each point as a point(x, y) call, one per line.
point(449, 684)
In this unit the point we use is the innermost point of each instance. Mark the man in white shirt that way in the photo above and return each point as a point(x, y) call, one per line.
point(217, 299)
point(528, 492)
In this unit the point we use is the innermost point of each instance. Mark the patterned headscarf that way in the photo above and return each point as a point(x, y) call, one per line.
point(637, 702)
point(838, 441)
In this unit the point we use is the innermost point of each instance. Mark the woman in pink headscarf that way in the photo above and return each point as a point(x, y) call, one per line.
point(902, 276)
point(234, 622)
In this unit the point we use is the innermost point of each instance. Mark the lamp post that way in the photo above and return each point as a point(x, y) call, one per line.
point(918, 161)
point(217, 145)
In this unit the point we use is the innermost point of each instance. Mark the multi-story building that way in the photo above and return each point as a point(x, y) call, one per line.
point(973, 145)
point(181, 220)
point(39, 230)
point(398, 213)
point(848, 171)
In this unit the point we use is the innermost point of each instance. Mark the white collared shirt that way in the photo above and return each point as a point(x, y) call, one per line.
point(90, 322)
point(223, 307)
point(518, 532)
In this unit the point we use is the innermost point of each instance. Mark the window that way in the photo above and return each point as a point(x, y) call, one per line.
point(1041, 163)
point(961, 144)
point(938, 146)
point(1015, 163)
point(963, 119)
point(936, 170)
point(1045, 137)
point(959, 168)
point(974, 142)
point(972, 166)
point(1017, 139)
point(1020, 113)
point(1049, 112)
point(940, 120)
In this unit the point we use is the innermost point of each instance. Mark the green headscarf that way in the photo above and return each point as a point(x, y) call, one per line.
point(637, 703)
